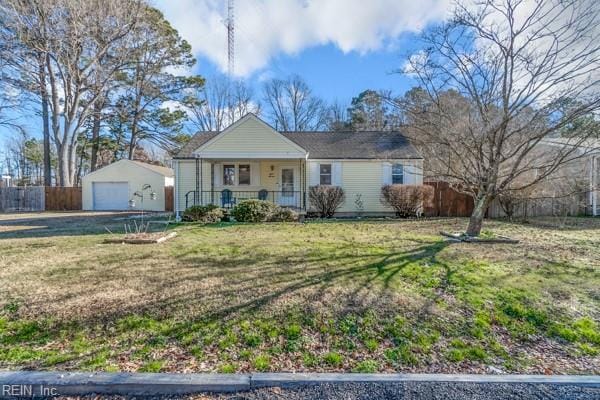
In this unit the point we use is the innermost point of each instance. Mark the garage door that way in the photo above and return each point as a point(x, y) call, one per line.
point(111, 195)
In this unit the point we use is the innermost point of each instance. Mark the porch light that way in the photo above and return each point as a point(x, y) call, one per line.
point(132, 203)
point(153, 196)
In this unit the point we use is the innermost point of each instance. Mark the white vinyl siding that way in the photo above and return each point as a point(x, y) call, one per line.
point(186, 180)
point(363, 177)
point(251, 138)
point(366, 177)
point(124, 171)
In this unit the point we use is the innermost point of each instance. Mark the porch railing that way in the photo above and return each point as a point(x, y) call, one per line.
point(229, 199)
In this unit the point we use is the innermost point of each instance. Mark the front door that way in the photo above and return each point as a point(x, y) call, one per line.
point(287, 196)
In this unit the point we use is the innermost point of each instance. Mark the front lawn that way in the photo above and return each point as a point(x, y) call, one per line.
point(360, 296)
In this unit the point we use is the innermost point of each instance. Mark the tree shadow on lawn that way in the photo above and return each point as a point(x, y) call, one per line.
point(250, 296)
point(367, 274)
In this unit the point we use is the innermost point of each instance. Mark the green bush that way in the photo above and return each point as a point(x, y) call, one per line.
point(253, 211)
point(205, 214)
point(262, 211)
point(283, 214)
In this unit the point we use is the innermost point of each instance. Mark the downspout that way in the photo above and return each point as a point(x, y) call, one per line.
point(201, 181)
point(176, 197)
point(305, 182)
point(197, 191)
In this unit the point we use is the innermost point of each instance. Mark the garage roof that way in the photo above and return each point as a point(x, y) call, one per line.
point(167, 172)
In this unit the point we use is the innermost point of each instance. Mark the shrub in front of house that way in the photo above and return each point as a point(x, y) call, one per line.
point(407, 200)
point(325, 199)
point(253, 211)
point(207, 214)
point(283, 214)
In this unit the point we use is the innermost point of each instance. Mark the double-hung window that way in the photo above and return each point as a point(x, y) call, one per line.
point(325, 174)
point(397, 174)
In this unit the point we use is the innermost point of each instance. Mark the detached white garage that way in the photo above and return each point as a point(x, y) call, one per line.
point(112, 187)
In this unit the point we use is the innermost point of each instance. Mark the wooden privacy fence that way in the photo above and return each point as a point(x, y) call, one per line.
point(572, 205)
point(63, 198)
point(28, 198)
point(448, 202)
point(168, 198)
point(52, 198)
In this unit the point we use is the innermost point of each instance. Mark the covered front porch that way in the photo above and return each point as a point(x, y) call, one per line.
point(225, 182)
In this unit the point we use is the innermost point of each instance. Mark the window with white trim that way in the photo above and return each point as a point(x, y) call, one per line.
point(325, 174)
point(228, 174)
point(397, 174)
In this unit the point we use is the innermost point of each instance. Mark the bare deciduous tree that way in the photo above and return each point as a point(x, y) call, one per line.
point(71, 39)
point(291, 105)
point(220, 103)
point(498, 80)
point(337, 117)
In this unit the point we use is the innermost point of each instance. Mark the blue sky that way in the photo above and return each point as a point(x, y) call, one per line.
point(332, 74)
point(340, 47)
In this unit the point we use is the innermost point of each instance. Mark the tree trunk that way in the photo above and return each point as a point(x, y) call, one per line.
point(45, 123)
point(476, 221)
point(96, 133)
point(62, 165)
point(72, 164)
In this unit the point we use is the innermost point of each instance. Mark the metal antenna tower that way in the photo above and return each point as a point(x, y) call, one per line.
point(230, 38)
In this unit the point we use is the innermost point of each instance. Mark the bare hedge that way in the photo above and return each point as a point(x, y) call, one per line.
point(407, 200)
point(326, 199)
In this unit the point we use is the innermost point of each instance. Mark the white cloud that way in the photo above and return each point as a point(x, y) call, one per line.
point(266, 28)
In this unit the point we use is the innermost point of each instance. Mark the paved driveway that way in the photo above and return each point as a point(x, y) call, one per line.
point(421, 391)
point(43, 224)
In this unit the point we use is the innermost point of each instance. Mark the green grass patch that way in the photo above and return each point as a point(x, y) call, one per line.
point(333, 359)
point(262, 362)
point(367, 366)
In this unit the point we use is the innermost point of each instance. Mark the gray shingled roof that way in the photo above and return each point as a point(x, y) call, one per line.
point(362, 145)
point(340, 145)
point(196, 141)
